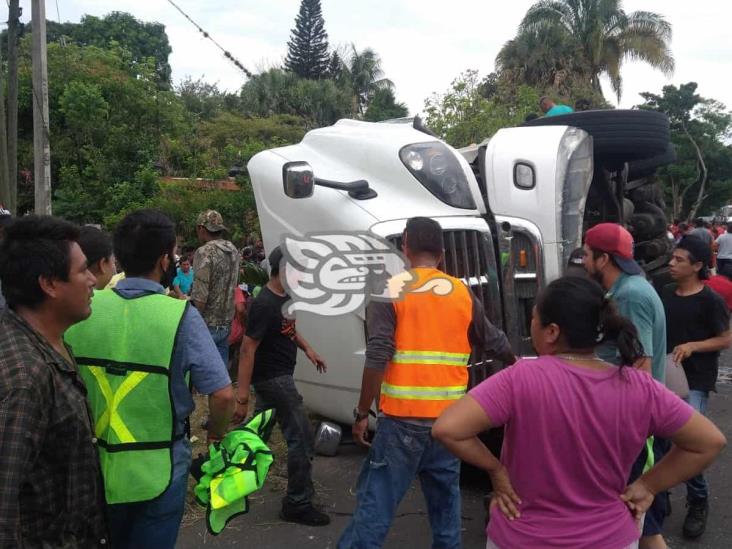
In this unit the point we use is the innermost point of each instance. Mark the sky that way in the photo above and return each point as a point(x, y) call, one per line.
point(424, 44)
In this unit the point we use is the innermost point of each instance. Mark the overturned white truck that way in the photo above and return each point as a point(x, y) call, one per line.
point(512, 210)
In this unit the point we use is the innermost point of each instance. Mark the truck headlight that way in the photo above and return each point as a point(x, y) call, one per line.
point(436, 167)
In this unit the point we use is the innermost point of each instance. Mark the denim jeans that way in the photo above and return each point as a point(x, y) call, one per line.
point(697, 489)
point(281, 394)
point(151, 524)
point(400, 452)
point(220, 335)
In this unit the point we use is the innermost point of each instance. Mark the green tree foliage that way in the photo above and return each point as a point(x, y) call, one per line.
point(182, 202)
point(384, 106)
point(107, 119)
point(363, 77)
point(317, 102)
point(145, 43)
point(701, 179)
point(584, 39)
point(546, 60)
point(335, 66)
point(464, 115)
point(307, 50)
point(228, 140)
point(203, 100)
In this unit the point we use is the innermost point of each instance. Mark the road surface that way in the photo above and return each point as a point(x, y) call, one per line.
point(336, 478)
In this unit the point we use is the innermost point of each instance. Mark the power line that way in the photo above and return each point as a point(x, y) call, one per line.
point(205, 34)
point(58, 14)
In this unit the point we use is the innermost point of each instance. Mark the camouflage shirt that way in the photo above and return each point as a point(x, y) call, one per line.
point(216, 268)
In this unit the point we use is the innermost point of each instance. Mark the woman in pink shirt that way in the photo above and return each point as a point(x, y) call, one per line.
point(574, 426)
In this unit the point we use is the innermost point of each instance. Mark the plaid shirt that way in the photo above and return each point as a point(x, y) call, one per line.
point(51, 489)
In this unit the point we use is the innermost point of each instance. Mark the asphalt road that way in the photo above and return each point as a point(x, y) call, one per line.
point(336, 477)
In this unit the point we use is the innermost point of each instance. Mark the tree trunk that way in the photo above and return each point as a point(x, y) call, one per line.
point(13, 22)
point(703, 175)
point(678, 202)
point(4, 181)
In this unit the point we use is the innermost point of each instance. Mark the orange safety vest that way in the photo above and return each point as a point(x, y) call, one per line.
point(428, 371)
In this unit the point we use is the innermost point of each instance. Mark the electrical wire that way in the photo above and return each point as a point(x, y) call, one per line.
point(205, 34)
point(58, 15)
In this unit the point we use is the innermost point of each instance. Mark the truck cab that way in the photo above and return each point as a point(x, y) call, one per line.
point(512, 210)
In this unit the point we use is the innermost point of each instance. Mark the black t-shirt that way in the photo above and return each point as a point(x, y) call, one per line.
point(695, 318)
point(277, 351)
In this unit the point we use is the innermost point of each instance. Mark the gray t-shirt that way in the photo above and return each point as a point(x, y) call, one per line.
point(704, 234)
point(724, 241)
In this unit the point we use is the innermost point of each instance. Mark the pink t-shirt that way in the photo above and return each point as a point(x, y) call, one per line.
point(572, 435)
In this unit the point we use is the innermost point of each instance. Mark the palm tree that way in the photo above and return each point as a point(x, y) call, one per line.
point(363, 75)
point(543, 58)
point(599, 32)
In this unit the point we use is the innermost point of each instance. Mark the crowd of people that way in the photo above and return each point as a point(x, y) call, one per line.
point(97, 370)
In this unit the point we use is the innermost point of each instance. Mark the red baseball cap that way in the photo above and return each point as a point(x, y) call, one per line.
point(613, 239)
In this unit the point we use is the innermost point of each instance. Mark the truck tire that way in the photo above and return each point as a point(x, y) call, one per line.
point(650, 250)
point(646, 226)
point(624, 135)
point(649, 194)
point(643, 168)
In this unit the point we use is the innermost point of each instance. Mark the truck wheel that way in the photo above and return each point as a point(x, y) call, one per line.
point(643, 168)
point(646, 226)
point(652, 249)
point(648, 195)
point(623, 135)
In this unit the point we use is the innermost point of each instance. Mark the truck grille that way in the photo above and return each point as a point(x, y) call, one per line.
point(469, 256)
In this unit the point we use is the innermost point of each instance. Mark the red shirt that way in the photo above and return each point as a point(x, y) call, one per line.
point(723, 286)
point(237, 330)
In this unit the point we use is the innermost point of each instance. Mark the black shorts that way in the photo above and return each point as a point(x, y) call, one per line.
point(658, 510)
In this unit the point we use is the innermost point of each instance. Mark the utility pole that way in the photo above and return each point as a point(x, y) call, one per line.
point(41, 145)
point(13, 24)
point(4, 181)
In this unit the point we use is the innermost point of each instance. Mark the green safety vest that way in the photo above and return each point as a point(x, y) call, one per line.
point(124, 352)
point(236, 467)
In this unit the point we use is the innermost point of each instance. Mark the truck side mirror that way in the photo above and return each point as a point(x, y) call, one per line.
point(298, 179)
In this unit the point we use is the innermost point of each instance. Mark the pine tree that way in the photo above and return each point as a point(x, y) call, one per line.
point(335, 66)
point(307, 49)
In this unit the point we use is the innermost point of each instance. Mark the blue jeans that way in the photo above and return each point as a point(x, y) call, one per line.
point(220, 335)
point(697, 489)
point(151, 524)
point(281, 394)
point(400, 452)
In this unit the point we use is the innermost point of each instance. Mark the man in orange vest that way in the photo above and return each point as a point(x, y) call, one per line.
point(416, 356)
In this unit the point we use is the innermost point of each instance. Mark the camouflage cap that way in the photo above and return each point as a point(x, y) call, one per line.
point(212, 221)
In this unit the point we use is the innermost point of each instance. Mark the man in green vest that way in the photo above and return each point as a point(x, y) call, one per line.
point(139, 353)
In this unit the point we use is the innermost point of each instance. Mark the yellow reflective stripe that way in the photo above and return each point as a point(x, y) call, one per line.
point(116, 423)
point(431, 357)
point(406, 392)
point(217, 502)
point(106, 388)
point(110, 417)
